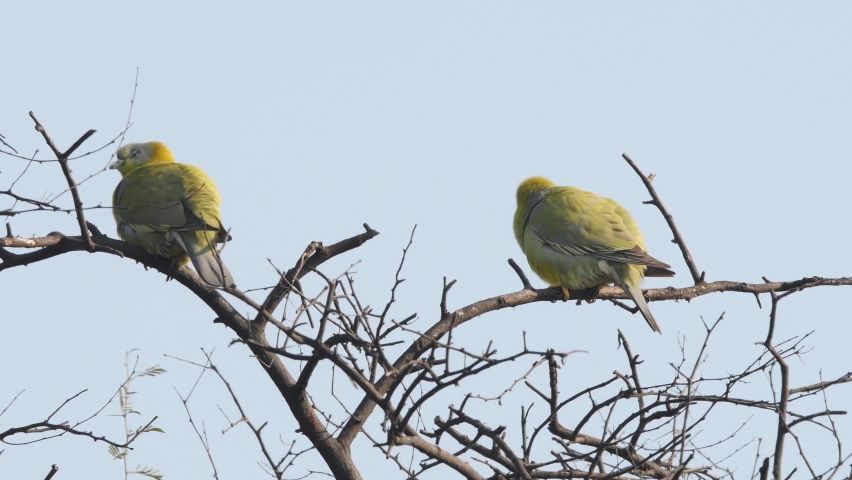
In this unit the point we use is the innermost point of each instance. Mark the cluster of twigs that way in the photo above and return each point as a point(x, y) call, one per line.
point(401, 371)
point(654, 439)
point(49, 428)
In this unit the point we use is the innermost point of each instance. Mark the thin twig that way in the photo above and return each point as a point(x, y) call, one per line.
point(678, 238)
point(63, 162)
point(52, 472)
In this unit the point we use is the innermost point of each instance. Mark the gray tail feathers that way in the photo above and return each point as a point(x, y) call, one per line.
point(206, 260)
point(635, 293)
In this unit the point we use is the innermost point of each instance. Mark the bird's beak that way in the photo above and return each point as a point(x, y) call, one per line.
point(114, 164)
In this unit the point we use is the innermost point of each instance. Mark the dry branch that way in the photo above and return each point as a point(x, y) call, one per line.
point(66, 170)
point(678, 238)
point(334, 329)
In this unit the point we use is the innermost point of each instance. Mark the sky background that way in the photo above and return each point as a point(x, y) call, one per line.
point(315, 117)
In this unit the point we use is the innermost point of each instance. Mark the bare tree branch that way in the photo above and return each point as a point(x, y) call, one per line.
point(63, 162)
point(678, 238)
point(591, 433)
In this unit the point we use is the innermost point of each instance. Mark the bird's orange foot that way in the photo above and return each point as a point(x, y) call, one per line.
point(562, 289)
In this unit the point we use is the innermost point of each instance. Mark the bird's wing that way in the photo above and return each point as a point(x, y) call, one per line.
point(637, 256)
point(579, 223)
point(201, 196)
point(155, 200)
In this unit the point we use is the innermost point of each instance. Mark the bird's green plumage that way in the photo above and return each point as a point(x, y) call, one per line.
point(169, 209)
point(580, 240)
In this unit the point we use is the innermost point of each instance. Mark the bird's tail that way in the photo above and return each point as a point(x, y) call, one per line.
point(206, 260)
point(635, 293)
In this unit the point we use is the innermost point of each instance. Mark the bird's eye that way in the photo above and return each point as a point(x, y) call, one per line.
point(134, 152)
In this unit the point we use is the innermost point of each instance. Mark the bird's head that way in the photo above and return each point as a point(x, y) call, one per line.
point(530, 185)
point(134, 155)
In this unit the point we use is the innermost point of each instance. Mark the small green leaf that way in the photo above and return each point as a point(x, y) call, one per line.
point(148, 472)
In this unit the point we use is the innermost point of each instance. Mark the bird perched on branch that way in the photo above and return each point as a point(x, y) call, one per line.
point(578, 240)
point(169, 209)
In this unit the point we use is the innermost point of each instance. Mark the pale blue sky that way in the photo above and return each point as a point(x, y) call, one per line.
point(315, 117)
